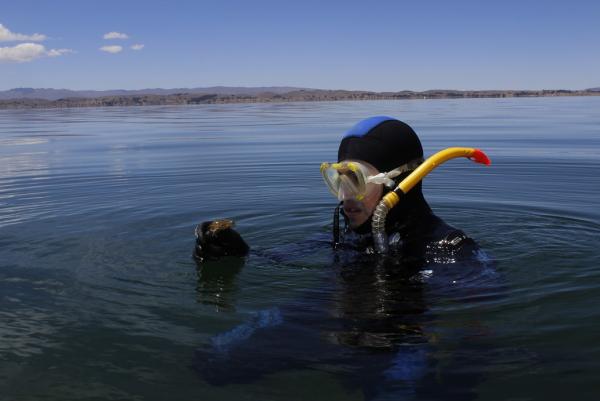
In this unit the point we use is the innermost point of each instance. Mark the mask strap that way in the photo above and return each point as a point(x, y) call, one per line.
point(336, 226)
point(387, 178)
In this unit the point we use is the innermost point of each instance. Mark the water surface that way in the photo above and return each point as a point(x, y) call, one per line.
point(100, 298)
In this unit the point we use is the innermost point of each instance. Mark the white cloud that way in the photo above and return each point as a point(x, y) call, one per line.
point(25, 52)
point(58, 52)
point(22, 53)
point(112, 49)
point(138, 46)
point(115, 35)
point(8, 36)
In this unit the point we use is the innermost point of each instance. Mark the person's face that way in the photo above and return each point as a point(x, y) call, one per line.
point(359, 212)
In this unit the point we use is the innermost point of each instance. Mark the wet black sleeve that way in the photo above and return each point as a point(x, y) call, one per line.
point(215, 239)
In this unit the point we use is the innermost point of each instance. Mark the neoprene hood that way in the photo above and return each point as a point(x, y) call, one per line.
point(382, 141)
point(386, 143)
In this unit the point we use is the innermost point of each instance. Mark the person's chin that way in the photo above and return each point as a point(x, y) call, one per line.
point(356, 221)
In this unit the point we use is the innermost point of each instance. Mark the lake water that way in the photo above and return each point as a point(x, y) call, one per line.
point(100, 298)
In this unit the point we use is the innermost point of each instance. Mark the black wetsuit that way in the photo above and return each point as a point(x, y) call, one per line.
point(369, 323)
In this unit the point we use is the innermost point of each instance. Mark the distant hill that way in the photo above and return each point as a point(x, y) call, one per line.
point(219, 95)
point(55, 94)
point(594, 89)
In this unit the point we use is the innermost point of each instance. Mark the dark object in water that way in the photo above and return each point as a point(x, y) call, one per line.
point(217, 238)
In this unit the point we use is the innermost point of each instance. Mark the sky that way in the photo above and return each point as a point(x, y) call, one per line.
point(380, 45)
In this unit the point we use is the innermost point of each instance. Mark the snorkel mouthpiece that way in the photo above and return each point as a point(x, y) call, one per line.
point(391, 199)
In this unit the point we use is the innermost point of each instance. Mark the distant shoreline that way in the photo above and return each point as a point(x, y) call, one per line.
point(301, 95)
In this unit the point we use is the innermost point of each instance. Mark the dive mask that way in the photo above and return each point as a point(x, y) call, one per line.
point(353, 179)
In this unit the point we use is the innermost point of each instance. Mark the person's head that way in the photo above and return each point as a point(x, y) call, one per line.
point(381, 144)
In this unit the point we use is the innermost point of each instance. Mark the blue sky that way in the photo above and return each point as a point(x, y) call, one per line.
point(378, 45)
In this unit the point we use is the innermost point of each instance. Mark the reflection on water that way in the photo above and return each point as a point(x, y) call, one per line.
point(100, 296)
point(217, 282)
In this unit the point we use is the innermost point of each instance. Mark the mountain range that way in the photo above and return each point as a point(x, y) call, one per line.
point(55, 94)
point(60, 98)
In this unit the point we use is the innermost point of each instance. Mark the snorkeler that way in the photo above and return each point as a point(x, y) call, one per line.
point(373, 302)
point(374, 156)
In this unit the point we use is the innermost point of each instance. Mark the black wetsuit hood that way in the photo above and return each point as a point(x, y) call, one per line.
point(387, 143)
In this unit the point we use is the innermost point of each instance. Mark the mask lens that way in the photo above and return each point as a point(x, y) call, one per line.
point(346, 180)
point(332, 179)
point(350, 186)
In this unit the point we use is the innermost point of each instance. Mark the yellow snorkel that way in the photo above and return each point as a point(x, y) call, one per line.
point(391, 199)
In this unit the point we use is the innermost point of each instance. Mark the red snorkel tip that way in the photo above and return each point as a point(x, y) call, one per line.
point(479, 157)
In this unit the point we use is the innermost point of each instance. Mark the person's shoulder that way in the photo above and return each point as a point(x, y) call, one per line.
point(456, 239)
point(453, 246)
point(435, 240)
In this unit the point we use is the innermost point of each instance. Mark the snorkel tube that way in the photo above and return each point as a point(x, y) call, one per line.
point(392, 198)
